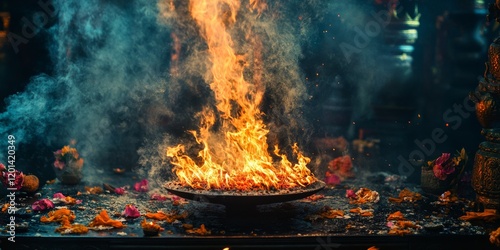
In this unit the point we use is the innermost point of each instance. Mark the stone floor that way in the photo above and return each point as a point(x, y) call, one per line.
point(300, 224)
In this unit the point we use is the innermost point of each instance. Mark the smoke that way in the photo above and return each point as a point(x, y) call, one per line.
point(271, 43)
point(129, 78)
point(106, 92)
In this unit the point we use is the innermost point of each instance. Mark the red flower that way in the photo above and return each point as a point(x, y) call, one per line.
point(131, 211)
point(341, 166)
point(332, 179)
point(441, 169)
point(442, 159)
point(59, 164)
point(59, 196)
point(42, 204)
point(120, 191)
point(439, 172)
point(141, 186)
point(349, 193)
point(12, 179)
point(159, 197)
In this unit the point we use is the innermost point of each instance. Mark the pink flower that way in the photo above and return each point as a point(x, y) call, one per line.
point(349, 193)
point(42, 204)
point(341, 166)
point(120, 191)
point(141, 186)
point(12, 179)
point(439, 172)
point(332, 179)
point(59, 196)
point(441, 169)
point(442, 159)
point(2, 167)
point(131, 212)
point(449, 169)
point(59, 164)
point(159, 197)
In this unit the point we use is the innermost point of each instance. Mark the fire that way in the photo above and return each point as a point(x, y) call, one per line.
point(235, 156)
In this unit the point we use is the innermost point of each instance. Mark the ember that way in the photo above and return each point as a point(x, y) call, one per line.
point(151, 228)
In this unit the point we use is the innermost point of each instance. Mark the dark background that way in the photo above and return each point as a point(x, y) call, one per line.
point(435, 88)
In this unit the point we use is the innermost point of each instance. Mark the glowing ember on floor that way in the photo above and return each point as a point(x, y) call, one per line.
point(235, 152)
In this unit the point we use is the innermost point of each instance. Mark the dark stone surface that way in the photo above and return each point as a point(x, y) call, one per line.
point(295, 225)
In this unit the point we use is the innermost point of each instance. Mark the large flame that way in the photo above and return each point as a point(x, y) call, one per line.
point(235, 156)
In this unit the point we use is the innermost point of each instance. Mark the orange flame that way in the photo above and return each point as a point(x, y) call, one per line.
point(236, 155)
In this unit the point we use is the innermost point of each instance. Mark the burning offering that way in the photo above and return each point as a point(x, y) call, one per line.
point(150, 228)
point(234, 154)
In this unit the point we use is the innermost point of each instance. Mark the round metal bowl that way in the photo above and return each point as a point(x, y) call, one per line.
point(241, 198)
